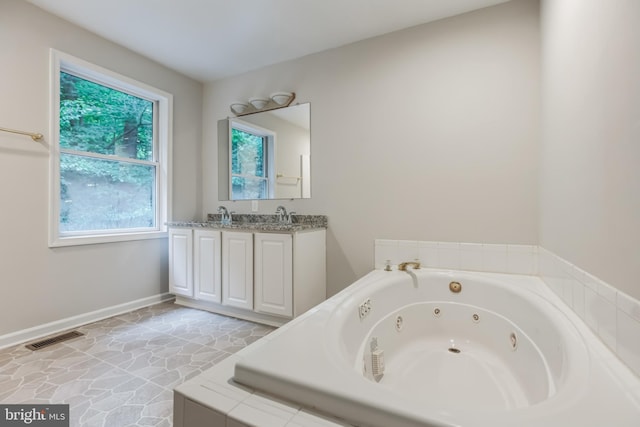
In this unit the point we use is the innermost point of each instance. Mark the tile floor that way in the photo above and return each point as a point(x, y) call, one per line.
point(123, 370)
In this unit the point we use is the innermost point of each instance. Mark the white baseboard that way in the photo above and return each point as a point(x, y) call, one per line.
point(39, 331)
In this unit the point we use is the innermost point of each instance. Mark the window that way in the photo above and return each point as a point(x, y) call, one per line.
point(251, 161)
point(109, 162)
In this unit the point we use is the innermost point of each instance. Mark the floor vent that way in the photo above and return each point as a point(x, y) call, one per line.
point(54, 340)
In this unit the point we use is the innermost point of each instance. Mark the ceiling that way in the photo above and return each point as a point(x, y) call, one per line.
point(212, 39)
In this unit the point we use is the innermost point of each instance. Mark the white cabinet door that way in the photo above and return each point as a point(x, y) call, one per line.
point(180, 261)
point(273, 274)
point(206, 265)
point(237, 269)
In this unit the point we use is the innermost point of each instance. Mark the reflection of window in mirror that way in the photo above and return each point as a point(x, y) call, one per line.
point(252, 152)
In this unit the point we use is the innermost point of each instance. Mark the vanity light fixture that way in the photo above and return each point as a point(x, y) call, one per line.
point(258, 103)
point(282, 98)
point(255, 105)
point(238, 107)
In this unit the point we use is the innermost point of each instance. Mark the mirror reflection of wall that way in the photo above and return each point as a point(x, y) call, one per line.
point(265, 155)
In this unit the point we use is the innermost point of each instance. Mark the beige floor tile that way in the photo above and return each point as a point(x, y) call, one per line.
point(123, 370)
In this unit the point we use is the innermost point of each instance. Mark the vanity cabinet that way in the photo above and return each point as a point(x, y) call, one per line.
point(274, 273)
point(207, 255)
point(194, 263)
point(266, 277)
point(290, 272)
point(237, 269)
point(181, 261)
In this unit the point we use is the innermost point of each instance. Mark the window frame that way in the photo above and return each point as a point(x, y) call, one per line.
point(163, 131)
point(269, 154)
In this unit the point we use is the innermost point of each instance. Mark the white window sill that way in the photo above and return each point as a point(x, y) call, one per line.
point(107, 238)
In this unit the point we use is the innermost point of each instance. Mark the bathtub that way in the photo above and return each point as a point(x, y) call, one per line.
point(441, 348)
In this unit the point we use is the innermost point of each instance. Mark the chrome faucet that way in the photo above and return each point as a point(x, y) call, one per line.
point(282, 214)
point(413, 264)
point(225, 215)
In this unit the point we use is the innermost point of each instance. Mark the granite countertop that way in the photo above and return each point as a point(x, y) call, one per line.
point(255, 222)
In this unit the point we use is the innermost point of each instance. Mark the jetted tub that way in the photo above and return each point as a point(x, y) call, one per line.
point(405, 349)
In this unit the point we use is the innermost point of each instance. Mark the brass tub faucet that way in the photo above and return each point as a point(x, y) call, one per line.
point(413, 264)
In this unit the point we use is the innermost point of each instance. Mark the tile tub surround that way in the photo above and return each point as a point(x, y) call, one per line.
point(230, 404)
point(490, 258)
point(123, 370)
point(239, 406)
point(612, 315)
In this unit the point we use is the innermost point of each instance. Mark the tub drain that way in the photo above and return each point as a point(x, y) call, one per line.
point(454, 350)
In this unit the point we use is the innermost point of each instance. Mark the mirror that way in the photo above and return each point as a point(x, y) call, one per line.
point(265, 155)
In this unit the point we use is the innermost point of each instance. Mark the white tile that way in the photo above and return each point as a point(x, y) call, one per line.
point(567, 285)
point(566, 267)
point(247, 415)
point(628, 341)
point(522, 249)
point(471, 256)
point(591, 308)
point(607, 291)
point(520, 259)
point(385, 250)
point(235, 393)
point(554, 274)
point(536, 261)
point(607, 324)
point(555, 285)
point(208, 397)
point(448, 245)
point(556, 266)
point(578, 298)
point(196, 414)
point(275, 406)
point(628, 305)
point(234, 423)
point(576, 273)
point(545, 262)
point(494, 258)
point(591, 281)
point(428, 254)
point(408, 250)
point(306, 418)
point(449, 255)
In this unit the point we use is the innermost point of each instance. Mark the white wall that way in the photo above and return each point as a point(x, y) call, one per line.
point(590, 170)
point(430, 133)
point(39, 284)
